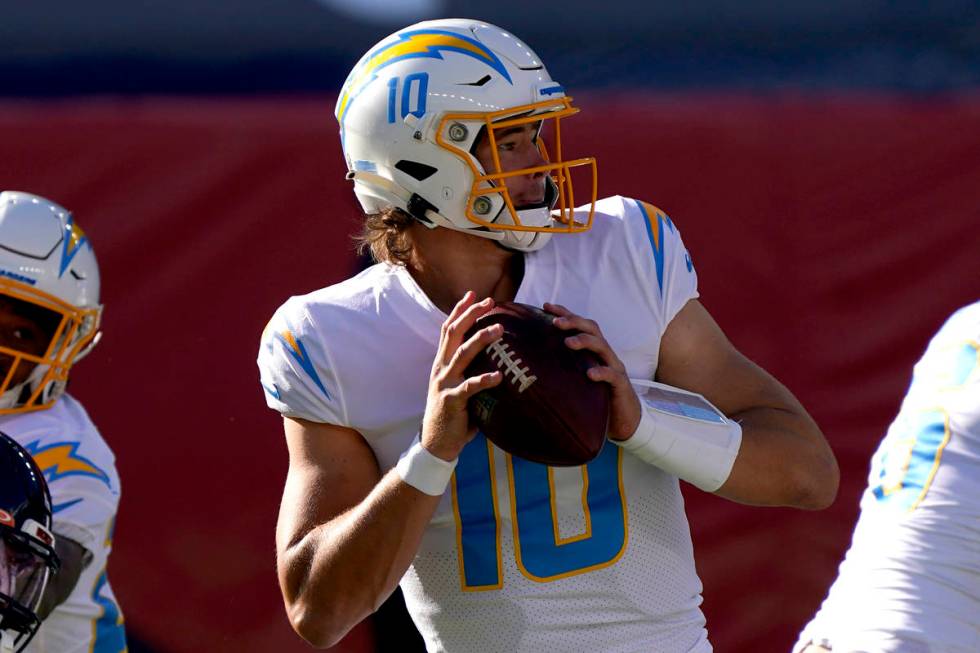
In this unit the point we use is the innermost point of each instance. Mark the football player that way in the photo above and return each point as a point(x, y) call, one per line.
point(452, 132)
point(27, 549)
point(910, 582)
point(49, 319)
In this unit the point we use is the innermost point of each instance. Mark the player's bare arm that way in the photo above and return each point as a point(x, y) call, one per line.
point(346, 534)
point(784, 459)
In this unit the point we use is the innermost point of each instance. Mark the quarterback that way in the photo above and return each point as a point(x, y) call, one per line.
point(910, 582)
point(451, 130)
point(49, 318)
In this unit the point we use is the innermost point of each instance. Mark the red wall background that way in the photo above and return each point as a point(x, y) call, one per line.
point(832, 235)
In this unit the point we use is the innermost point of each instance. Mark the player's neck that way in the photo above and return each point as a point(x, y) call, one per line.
point(447, 263)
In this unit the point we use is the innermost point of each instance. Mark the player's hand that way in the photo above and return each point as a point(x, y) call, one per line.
point(624, 415)
point(446, 427)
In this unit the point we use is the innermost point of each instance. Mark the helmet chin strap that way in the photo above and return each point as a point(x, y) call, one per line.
point(20, 393)
point(528, 241)
point(524, 241)
point(536, 215)
point(10, 398)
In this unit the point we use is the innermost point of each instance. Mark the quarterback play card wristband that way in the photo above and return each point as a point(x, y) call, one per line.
point(424, 471)
point(683, 434)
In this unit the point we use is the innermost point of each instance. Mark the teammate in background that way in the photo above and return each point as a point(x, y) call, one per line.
point(910, 583)
point(49, 318)
point(443, 126)
point(27, 556)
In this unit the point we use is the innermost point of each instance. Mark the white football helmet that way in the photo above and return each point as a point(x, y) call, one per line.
point(46, 261)
point(410, 114)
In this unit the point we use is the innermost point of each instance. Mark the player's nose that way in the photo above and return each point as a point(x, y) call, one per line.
point(534, 158)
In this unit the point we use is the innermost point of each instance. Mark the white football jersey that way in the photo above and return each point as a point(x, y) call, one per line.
point(910, 582)
point(519, 556)
point(81, 473)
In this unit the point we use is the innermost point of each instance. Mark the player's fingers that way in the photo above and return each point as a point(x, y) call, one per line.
point(442, 356)
point(460, 306)
point(613, 377)
point(469, 349)
point(598, 345)
point(556, 309)
point(475, 384)
point(457, 328)
point(567, 320)
point(456, 331)
point(618, 382)
point(574, 322)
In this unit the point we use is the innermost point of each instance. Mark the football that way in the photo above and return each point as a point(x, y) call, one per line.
point(546, 409)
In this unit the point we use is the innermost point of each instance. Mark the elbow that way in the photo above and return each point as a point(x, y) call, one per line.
point(815, 483)
point(322, 613)
point(324, 618)
point(318, 628)
point(314, 613)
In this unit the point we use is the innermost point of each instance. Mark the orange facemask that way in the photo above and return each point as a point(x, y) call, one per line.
point(73, 337)
point(489, 183)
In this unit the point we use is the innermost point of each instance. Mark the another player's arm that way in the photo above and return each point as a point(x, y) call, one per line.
point(346, 533)
point(73, 558)
point(784, 459)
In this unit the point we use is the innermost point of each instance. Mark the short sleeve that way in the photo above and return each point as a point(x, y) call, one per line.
point(295, 368)
point(662, 258)
point(83, 508)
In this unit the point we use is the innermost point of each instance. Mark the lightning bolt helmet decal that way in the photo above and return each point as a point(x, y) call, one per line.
point(73, 242)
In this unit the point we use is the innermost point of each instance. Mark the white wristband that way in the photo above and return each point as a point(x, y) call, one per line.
point(683, 434)
point(424, 471)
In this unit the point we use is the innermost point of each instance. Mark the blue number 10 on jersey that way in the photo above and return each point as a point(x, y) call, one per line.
point(541, 553)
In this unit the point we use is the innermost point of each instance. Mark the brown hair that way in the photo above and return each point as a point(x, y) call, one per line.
point(385, 235)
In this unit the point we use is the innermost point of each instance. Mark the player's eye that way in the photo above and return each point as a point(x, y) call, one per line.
point(23, 334)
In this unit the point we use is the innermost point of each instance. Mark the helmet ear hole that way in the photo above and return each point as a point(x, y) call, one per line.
point(416, 170)
point(418, 206)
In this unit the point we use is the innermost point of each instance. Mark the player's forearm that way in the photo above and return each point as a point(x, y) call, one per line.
point(342, 571)
point(783, 460)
